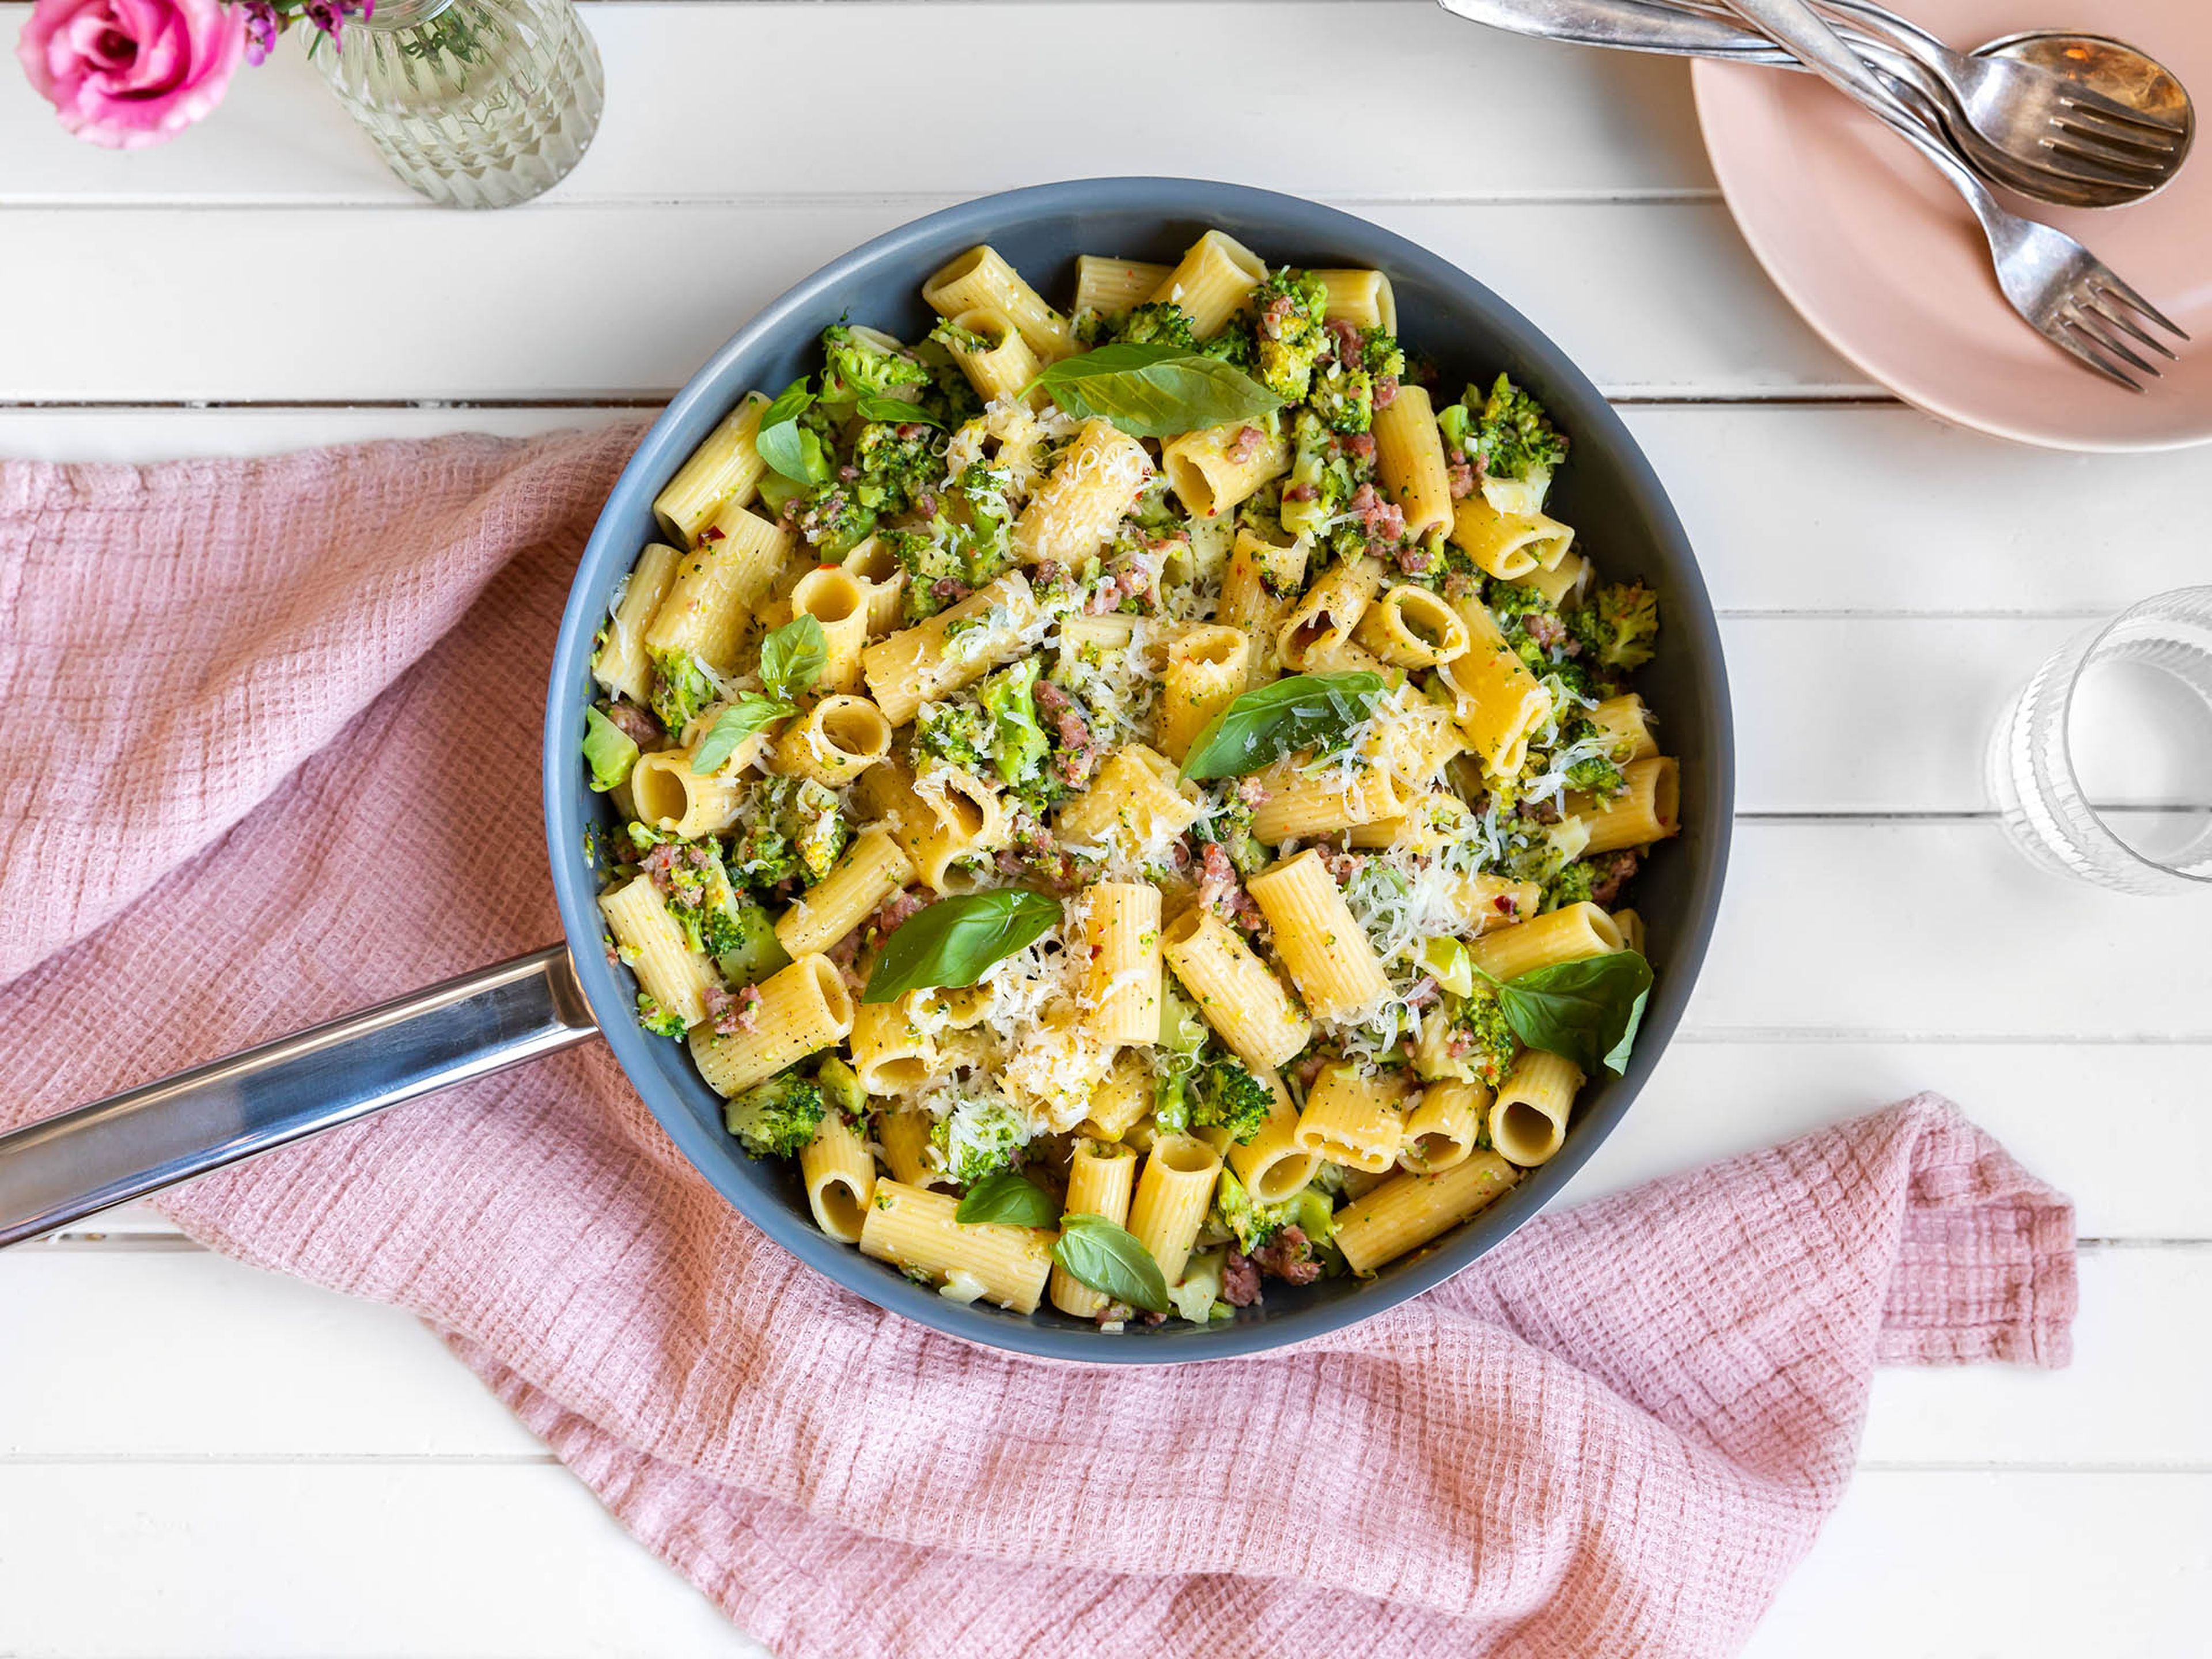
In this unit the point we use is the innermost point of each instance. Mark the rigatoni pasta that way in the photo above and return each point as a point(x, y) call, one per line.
point(1127, 804)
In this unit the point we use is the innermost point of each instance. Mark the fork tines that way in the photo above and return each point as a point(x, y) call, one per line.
point(2095, 326)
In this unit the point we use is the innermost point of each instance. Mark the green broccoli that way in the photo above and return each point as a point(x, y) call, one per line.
point(1572, 885)
point(1171, 1101)
point(1343, 392)
point(1229, 1098)
point(892, 471)
point(968, 543)
point(1252, 1223)
point(833, 518)
point(951, 398)
point(755, 953)
point(662, 1022)
point(854, 367)
point(958, 733)
point(1287, 310)
point(1510, 438)
point(1591, 770)
point(776, 1118)
point(977, 1136)
point(790, 826)
point(697, 885)
point(1618, 626)
point(950, 334)
point(1322, 477)
point(1018, 744)
point(681, 688)
point(1478, 1035)
point(1236, 344)
point(1157, 323)
point(840, 1089)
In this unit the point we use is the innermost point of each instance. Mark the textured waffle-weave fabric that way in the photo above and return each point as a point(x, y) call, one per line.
point(278, 741)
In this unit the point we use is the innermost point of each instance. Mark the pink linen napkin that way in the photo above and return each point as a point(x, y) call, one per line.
point(278, 741)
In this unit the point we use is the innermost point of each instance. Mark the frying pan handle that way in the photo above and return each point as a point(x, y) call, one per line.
point(65, 1168)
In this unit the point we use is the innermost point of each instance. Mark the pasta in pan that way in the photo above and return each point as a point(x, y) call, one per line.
point(1133, 802)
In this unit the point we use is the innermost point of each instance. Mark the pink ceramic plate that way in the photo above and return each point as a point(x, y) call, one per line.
point(1883, 258)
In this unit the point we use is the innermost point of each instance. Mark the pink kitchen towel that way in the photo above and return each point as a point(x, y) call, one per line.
point(278, 743)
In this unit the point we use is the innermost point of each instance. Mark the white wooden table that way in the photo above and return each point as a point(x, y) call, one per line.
point(198, 1459)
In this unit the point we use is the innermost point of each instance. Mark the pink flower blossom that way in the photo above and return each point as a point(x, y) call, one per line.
point(126, 74)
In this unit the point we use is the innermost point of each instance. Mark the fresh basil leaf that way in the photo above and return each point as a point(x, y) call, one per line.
point(895, 411)
point(1155, 391)
point(1585, 1011)
point(747, 716)
point(609, 751)
point(794, 452)
point(1272, 720)
point(951, 942)
point(1009, 1199)
point(793, 657)
point(1111, 1260)
point(784, 444)
point(794, 401)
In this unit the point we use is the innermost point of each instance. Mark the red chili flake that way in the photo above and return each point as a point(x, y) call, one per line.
point(710, 534)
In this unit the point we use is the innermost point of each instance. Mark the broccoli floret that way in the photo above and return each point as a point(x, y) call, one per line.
point(1171, 1103)
point(1594, 773)
point(966, 544)
point(959, 734)
point(680, 689)
point(853, 366)
point(1572, 885)
point(792, 826)
point(697, 885)
point(1512, 441)
point(1478, 1036)
point(1618, 626)
point(892, 471)
point(950, 334)
point(950, 396)
point(1324, 476)
point(1236, 344)
point(757, 952)
point(1229, 1098)
point(978, 1136)
point(1017, 741)
point(774, 1119)
point(1157, 324)
point(840, 1089)
point(662, 1022)
point(832, 518)
point(1236, 1213)
point(1343, 392)
point(1288, 332)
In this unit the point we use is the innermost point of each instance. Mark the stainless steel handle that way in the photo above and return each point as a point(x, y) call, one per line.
point(66, 1167)
point(1796, 25)
point(1627, 25)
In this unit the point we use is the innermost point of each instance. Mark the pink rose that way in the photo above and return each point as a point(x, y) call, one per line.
point(131, 73)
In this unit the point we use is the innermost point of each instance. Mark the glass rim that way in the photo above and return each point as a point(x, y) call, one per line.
point(2086, 653)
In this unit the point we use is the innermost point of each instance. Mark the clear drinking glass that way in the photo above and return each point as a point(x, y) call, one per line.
point(2102, 767)
point(474, 103)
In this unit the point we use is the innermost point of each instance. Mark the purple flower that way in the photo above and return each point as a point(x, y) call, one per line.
point(261, 26)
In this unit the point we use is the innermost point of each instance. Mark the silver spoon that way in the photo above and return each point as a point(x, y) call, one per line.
point(2040, 130)
point(2110, 67)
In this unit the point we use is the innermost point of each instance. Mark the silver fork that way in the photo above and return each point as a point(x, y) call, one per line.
point(2023, 110)
point(2060, 289)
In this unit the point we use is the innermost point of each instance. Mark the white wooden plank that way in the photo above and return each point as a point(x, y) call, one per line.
point(485, 1561)
point(1884, 509)
point(1613, 124)
point(1938, 929)
point(592, 300)
point(251, 1365)
point(2002, 1566)
point(139, 1563)
point(1793, 509)
point(2140, 1176)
